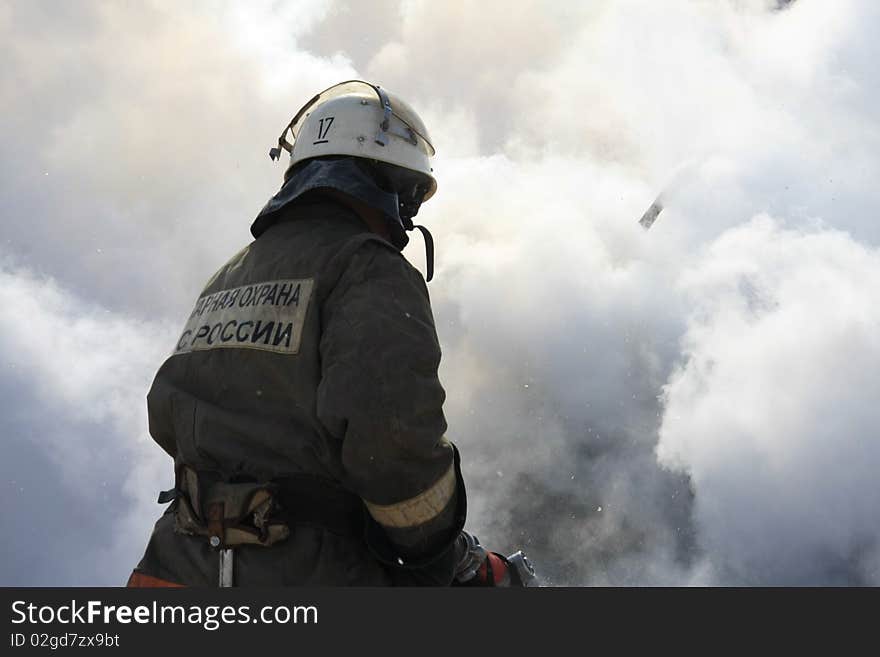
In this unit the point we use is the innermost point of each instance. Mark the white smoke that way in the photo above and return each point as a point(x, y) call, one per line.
point(773, 412)
point(81, 371)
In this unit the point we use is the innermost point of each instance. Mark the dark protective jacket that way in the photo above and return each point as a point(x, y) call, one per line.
point(313, 353)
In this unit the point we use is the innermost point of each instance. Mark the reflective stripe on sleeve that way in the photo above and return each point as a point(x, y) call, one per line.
point(419, 509)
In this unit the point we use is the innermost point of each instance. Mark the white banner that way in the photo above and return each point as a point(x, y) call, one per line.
point(267, 316)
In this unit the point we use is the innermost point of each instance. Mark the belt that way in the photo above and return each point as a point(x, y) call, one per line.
point(244, 511)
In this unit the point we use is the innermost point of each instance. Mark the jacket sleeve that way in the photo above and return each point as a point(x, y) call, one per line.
point(381, 396)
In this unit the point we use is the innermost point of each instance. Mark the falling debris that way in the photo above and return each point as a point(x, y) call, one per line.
point(682, 176)
point(652, 213)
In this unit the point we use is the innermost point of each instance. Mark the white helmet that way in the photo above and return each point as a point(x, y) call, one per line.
point(363, 120)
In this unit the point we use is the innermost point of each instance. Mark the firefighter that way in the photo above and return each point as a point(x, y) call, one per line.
point(301, 403)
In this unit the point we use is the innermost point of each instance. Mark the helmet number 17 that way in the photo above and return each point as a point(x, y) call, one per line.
point(323, 128)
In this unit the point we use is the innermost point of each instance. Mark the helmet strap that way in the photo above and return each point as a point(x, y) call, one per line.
point(429, 252)
point(409, 207)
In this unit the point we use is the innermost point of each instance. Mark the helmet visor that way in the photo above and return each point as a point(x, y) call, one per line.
point(369, 92)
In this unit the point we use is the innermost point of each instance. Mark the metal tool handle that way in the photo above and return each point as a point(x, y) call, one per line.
point(226, 561)
point(522, 573)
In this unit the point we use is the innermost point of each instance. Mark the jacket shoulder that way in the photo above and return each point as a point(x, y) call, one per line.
point(371, 259)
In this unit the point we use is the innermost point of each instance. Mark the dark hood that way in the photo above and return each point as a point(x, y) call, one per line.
point(343, 175)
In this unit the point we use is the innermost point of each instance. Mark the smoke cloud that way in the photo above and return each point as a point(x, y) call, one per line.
point(694, 404)
point(773, 412)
